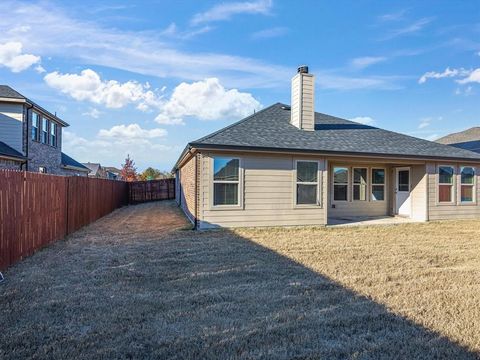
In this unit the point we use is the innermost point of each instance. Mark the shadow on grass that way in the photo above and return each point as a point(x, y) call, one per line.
point(200, 295)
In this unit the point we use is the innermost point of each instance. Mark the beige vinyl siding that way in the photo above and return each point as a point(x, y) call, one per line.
point(302, 108)
point(11, 125)
point(296, 97)
point(352, 208)
point(438, 211)
point(418, 192)
point(268, 194)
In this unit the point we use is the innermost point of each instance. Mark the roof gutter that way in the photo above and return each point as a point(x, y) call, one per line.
point(196, 146)
point(186, 155)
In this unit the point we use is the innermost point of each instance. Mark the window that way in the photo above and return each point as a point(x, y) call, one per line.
point(307, 182)
point(467, 184)
point(42, 169)
point(445, 184)
point(404, 180)
point(226, 181)
point(35, 125)
point(378, 184)
point(53, 134)
point(360, 184)
point(340, 184)
point(44, 138)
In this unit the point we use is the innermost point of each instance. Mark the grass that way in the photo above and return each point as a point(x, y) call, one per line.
point(134, 286)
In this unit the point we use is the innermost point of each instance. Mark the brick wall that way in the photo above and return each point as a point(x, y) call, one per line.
point(9, 164)
point(188, 187)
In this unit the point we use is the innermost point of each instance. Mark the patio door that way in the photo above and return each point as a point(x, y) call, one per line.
point(403, 204)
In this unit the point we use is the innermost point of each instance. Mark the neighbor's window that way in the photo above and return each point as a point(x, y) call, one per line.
point(445, 183)
point(35, 125)
point(307, 182)
point(53, 134)
point(226, 181)
point(378, 184)
point(340, 184)
point(360, 184)
point(44, 131)
point(42, 169)
point(467, 183)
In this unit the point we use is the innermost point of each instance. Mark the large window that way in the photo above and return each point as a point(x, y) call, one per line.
point(307, 182)
point(360, 184)
point(340, 184)
point(226, 181)
point(53, 134)
point(35, 125)
point(378, 184)
point(467, 185)
point(44, 137)
point(445, 184)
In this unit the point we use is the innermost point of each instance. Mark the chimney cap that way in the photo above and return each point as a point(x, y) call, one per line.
point(302, 69)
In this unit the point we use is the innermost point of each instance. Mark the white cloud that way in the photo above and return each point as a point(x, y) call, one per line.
point(366, 120)
point(363, 62)
point(131, 132)
point(111, 146)
point(424, 122)
point(94, 113)
point(206, 100)
point(409, 29)
point(12, 57)
point(88, 86)
point(473, 77)
point(469, 76)
point(174, 32)
point(40, 69)
point(225, 11)
point(270, 33)
point(393, 16)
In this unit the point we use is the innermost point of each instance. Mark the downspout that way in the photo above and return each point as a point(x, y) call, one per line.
point(195, 221)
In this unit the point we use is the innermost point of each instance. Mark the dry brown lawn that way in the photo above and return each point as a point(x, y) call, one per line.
point(137, 284)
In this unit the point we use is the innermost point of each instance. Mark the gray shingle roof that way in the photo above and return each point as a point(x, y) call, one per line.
point(7, 92)
point(468, 139)
point(270, 129)
point(6, 150)
point(68, 161)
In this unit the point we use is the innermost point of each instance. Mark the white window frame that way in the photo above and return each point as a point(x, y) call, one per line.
point(474, 186)
point(349, 171)
point(54, 126)
point(453, 185)
point(47, 136)
point(239, 204)
point(319, 181)
point(38, 127)
point(384, 183)
point(42, 169)
point(355, 184)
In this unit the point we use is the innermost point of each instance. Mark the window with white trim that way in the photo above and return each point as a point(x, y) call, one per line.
point(360, 184)
point(35, 125)
point(307, 182)
point(378, 184)
point(226, 181)
point(340, 183)
point(467, 184)
point(44, 135)
point(445, 184)
point(53, 134)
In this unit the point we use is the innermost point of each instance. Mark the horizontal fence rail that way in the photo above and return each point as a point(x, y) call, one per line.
point(38, 209)
point(152, 190)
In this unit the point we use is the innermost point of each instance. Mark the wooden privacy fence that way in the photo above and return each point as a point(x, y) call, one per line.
point(142, 191)
point(38, 209)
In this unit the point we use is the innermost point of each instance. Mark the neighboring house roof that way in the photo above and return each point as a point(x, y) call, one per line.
point(8, 93)
point(7, 151)
point(468, 139)
point(270, 130)
point(67, 161)
point(94, 168)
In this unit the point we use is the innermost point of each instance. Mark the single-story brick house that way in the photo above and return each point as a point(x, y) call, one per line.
point(289, 165)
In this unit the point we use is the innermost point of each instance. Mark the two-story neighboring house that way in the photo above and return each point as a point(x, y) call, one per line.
point(31, 137)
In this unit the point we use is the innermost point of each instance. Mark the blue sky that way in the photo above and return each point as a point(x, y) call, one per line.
point(145, 78)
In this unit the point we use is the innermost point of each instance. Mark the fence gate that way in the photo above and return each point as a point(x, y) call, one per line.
point(143, 191)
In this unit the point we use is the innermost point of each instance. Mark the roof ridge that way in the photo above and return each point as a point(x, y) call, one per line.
point(235, 123)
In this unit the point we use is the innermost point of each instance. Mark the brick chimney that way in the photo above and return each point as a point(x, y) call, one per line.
point(302, 105)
